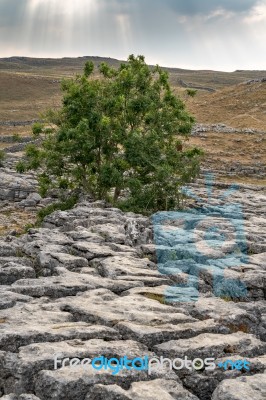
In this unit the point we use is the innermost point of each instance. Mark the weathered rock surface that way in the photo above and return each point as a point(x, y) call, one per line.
point(203, 383)
point(158, 389)
point(65, 383)
point(95, 281)
point(244, 388)
point(21, 397)
point(14, 187)
point(34, 358)
point(217, 345)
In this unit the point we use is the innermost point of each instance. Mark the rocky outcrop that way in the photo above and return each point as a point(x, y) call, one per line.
point(251, 81)
point(12, 139)
point(94, 281)
point(193, 86)
point(14, 186)
point(198, 129)
point(251, 387)
point(19, 123)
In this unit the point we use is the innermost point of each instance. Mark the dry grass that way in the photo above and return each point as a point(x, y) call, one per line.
point(243, 180)
point(233, 147)
point(4, 145)
point(225, 149)
point(157, 297)
point(15, 220)
point(24, 97)
point(15, 130)
point(241, 106)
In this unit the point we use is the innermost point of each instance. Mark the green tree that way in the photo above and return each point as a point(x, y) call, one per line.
point(121, 133)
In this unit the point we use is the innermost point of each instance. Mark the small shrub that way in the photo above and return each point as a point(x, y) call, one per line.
point(20, 167)
point(15, 138)
point(58, 206)
point(27, 227)
point(2, 158)
point(37, 128)
point(251, 251)
point(191, 92)
point(19, 253)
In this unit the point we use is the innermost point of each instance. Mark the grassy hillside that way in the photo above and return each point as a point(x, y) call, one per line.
point(51, 66)
point(68, 66)
point(24, 96)
point(239, 106)
point(29, 85)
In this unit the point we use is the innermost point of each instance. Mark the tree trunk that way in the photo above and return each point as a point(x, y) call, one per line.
point(117, 193)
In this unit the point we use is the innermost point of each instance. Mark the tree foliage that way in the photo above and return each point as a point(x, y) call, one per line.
point(119, 134)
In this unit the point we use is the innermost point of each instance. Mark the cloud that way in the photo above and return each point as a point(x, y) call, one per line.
point(12, 12)
point(193, 7)
point(215, 34)
point(183, 7)
point(257, 14)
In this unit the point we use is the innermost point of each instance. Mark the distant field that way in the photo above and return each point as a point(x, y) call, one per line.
point(213, 79)
point(29, 86)
point(58, 68)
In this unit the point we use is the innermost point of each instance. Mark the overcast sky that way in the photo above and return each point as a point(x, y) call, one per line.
point(197, 34)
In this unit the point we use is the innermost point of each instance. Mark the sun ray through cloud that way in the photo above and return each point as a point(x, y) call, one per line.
point(64, 23)
point(217, 34)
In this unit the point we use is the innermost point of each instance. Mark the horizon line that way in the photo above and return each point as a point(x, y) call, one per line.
point(119, 60)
